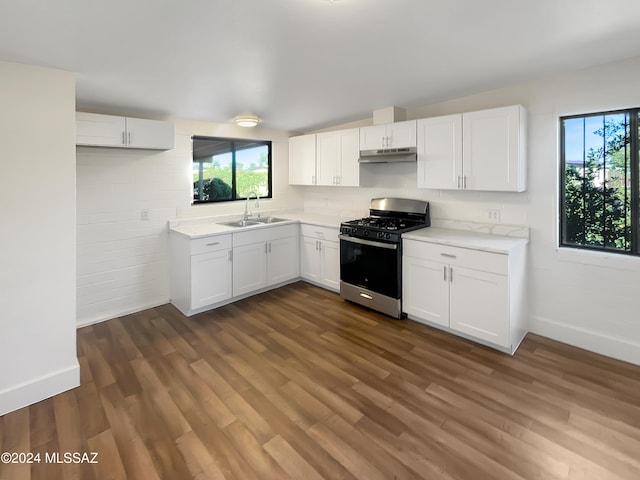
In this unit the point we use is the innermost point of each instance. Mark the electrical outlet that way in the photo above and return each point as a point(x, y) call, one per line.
point(144, 214)
point(493, 215)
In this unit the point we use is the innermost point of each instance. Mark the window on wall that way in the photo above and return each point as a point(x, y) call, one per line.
point(227, 169)
point(599, 206)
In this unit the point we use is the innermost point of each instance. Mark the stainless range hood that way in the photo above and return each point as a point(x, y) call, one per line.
point(388, 155)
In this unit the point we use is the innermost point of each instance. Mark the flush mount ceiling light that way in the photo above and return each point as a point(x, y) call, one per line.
point(247, 121)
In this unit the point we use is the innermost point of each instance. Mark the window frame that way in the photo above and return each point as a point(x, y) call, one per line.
point(234, 193)
point(634, 161)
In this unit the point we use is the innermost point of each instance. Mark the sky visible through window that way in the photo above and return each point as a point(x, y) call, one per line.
point(580, 135)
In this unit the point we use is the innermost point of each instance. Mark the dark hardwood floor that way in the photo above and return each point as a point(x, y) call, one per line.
point(297, 384)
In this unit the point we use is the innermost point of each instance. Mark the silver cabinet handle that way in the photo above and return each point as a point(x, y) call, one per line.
point(230, 255)
point(212, 244)
point(320, 246)
point(445, 272)
point(124, 137)
point(451, 274)
point(269, 247)
point(129, 138)
point(448, 255)
point(458, 186)
point(266, 247)
point(464, 182)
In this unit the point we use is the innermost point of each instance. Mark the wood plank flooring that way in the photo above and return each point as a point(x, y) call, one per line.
point(297, 384)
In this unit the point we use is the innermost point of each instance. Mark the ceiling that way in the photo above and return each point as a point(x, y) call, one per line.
point(306, 64)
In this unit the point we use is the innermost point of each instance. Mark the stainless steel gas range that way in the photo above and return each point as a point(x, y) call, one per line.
point(371, 253)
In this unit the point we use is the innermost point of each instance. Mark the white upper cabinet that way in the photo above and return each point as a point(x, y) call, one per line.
point(142, 133)
point(482, 150)
point(390, 135)
point(98, 130)
point(329, 158)
point(337, 158)
point(302, 160)
point(440, 152)
point(494, 149)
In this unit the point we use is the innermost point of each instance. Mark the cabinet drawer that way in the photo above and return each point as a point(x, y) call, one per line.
point(464, 257)
point(210, 244)
point(320, 233)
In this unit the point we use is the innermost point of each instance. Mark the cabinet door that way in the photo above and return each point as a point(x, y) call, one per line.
point(97, 130)
point(480, 305)
point(330, 264)
point(373, 137)
point(349, 152)
point(282, 260)
point(210, 278)
point(249, 268)
point(310, 258)
point(327, 151)
point(302, 160)
point(425, 287)
point(493, 156)
point(440, 152)
point(142, 133)
point(401, 134)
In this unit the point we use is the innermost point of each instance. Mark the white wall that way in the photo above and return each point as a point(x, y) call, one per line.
point(580, 298)
point(122, 260)
point(586, 299)
point(37, 240)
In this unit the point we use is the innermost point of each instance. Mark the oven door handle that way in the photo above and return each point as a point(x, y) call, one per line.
point(362, 241)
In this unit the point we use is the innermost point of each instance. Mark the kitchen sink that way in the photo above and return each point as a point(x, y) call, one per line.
point(241, 223)
point(271, 220)
point(252, 222)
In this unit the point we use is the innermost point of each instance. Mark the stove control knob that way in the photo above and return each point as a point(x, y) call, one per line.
point(366, 233)
point(388, 236)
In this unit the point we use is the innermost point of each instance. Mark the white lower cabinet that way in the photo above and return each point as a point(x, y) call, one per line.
point(200, 271)
point(320, 256)
point(264, 257)
point(249, 268)
point(474, 293)
point(211, 271)
point(211, 278)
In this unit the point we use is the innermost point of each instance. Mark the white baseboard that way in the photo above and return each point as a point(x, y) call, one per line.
point(85, 322)
point(615, 347)
point(40, 388)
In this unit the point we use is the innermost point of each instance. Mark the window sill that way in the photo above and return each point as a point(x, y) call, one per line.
point(596, 258)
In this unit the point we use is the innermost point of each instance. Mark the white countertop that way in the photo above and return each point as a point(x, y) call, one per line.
point(208, 227)
point(466, 239)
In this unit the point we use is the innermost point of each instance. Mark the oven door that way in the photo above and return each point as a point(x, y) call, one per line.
point(372, 265)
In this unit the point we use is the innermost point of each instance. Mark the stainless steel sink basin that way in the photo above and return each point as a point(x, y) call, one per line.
point(252, 222)
point(241, 223)
point(271, 220)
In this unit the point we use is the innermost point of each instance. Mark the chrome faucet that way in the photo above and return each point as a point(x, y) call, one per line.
point(246, 204)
